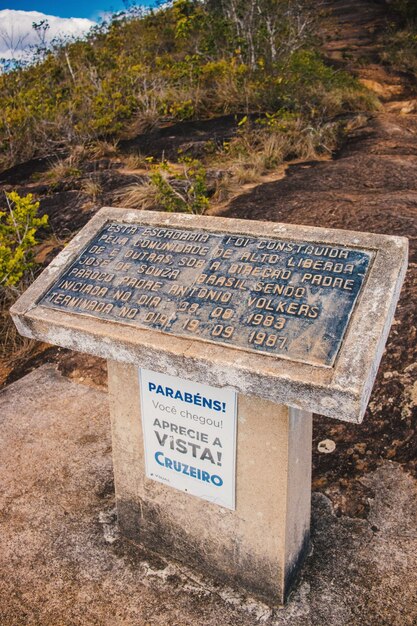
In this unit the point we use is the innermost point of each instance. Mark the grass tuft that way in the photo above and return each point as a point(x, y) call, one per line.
point(141, 196)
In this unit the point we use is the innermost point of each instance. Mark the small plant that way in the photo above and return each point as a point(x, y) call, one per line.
point(184, 191)
point(136, 161)
point(181, 188)
point(100, 149)
point(143, 196)
point(78, 154)
point(63, 169)
point(18, 227)
point(92, 188)
point(178, 110)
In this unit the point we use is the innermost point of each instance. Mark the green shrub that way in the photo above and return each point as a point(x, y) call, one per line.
point(184, 191)
point(18, 227)
point(188, 60)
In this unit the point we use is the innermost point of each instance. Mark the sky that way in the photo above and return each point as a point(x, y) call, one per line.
point(66, 18)
point(91, 9)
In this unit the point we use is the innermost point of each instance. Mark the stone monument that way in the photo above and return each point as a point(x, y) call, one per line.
point(222, 337)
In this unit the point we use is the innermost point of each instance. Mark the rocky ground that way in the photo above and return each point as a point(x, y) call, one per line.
point(370, 185)
point(63, 563)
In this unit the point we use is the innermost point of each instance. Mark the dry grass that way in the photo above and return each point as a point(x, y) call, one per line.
point(92, 189)
point(309, 142)
point(62, 169)
point(255, 151)
point(142, 196)
point(148, 119)
point(101, 149)
point(136, 161)
point(12, 345)
point(222, 186)
point(70, 167)
point(78, 154)
point(258, 150)
point(356, 122)
point(242, 172)
point(341, 99)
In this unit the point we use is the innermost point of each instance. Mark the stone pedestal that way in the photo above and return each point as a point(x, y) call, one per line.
point(283, 315)
point(259, 545)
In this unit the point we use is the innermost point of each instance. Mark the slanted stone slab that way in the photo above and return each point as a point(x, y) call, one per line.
point(292, 318)
point(209, 298)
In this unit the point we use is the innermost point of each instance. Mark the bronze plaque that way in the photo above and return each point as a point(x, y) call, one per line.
point(285, 298)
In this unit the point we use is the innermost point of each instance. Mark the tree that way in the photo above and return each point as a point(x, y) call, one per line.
point(265, 30)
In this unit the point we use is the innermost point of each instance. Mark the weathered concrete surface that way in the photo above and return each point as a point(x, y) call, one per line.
point(62, 563)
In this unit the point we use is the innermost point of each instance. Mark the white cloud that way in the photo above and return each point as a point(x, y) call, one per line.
point(17, 34)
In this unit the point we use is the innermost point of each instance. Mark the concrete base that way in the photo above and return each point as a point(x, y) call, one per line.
point(261, 544)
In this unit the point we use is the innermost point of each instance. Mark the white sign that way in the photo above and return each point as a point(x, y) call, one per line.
point(190, 436)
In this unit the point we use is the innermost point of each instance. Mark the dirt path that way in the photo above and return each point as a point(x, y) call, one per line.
point(371, 185)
